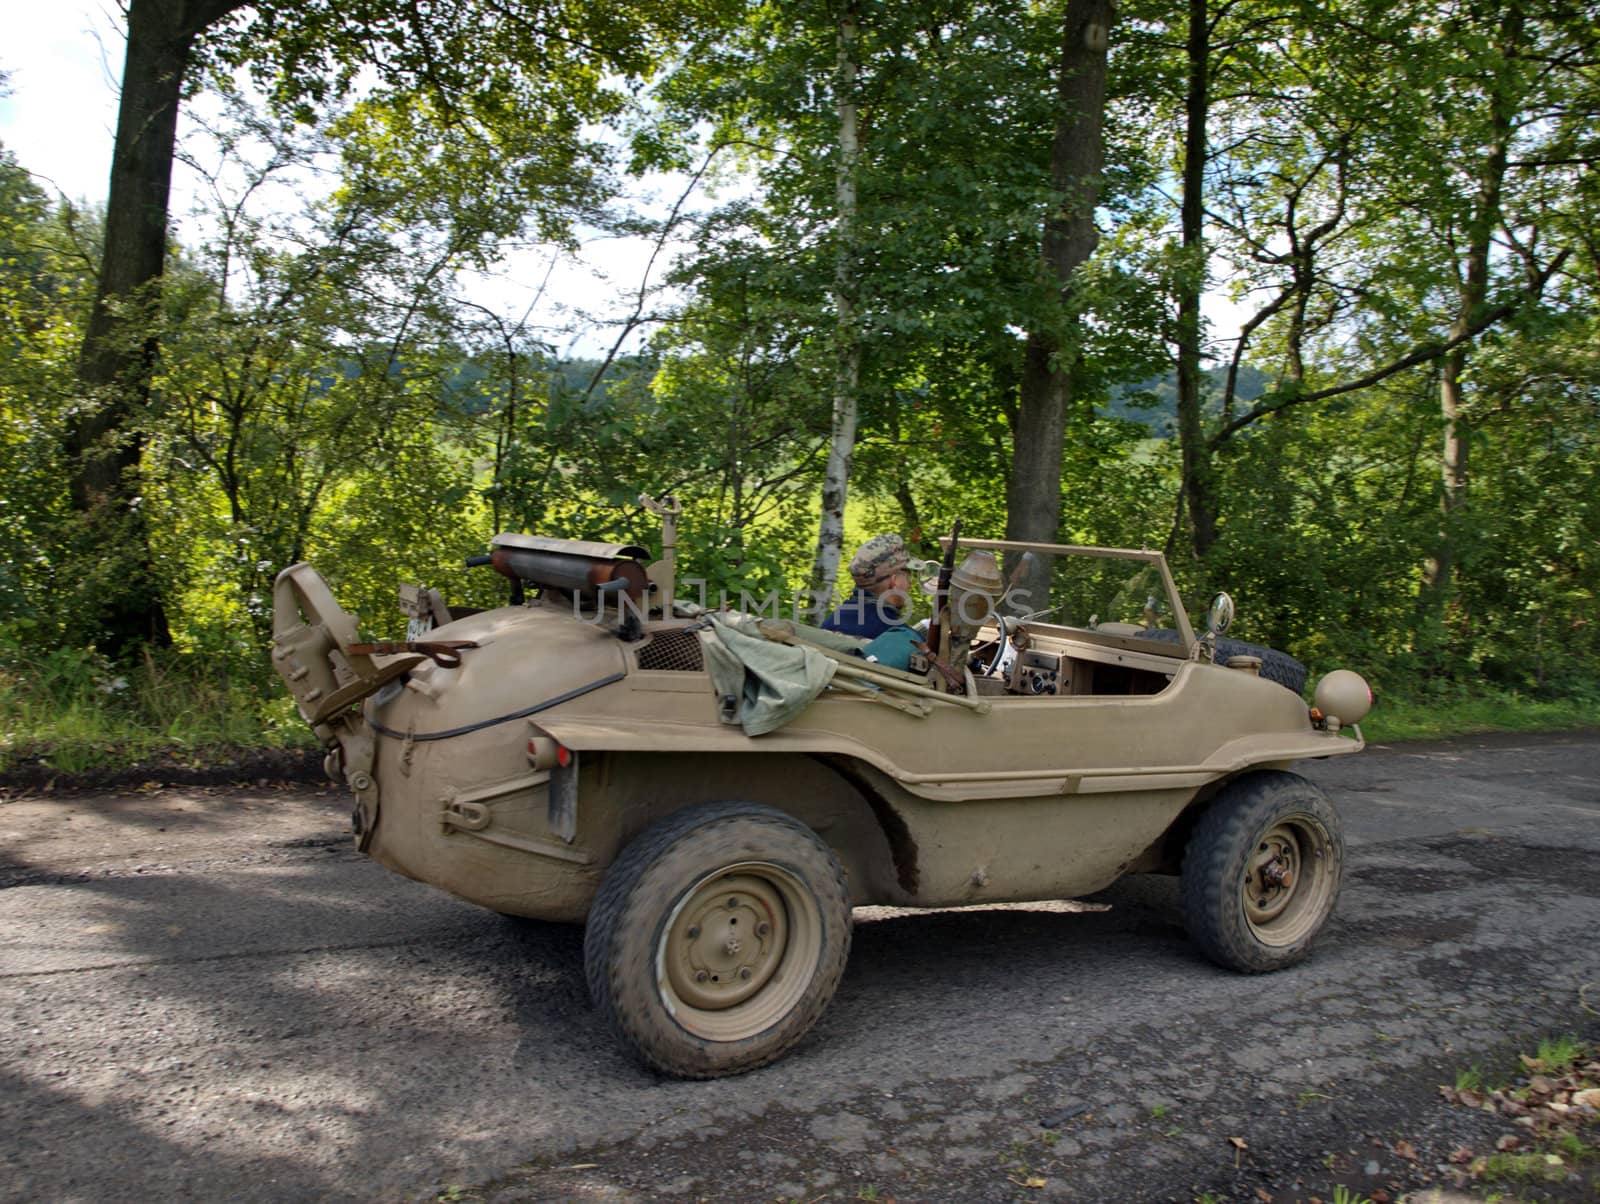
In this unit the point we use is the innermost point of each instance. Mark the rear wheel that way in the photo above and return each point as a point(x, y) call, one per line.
point(718, 938)
point(1262, 872)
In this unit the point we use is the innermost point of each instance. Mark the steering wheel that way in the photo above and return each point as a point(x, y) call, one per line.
point(994, 650)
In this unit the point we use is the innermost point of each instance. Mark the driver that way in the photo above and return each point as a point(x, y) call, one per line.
point(882, 573)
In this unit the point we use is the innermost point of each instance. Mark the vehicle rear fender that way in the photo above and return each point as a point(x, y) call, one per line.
point(633, 790)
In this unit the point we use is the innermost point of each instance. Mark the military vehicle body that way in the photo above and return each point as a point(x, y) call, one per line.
point(568, 757)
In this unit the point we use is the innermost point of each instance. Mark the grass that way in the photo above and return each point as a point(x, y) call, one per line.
point(1556, 1054)
point(1530, 1167)
point(1395, 719)
point(1555, 1146)
point(1343, 1195)
point(1573, 1148)
point(71, 711)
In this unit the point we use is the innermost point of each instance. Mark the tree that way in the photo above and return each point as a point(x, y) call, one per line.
point(935, 246)
point(104, 438)
point(847, 372)
point(1317, 198)
point(47, 265)
point(1033, 496)
point(302, 353)
point(498, 87)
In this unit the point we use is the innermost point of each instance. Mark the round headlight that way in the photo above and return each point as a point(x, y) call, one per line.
point(1344, 696)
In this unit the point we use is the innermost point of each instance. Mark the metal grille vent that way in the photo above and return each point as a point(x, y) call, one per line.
point(674, 651)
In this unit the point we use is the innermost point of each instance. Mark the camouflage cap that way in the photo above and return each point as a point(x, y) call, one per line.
point(877, 559)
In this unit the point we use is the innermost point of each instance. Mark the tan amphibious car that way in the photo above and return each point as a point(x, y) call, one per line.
point(712, 789)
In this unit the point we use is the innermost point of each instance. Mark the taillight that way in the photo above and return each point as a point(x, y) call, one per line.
point(546, 752)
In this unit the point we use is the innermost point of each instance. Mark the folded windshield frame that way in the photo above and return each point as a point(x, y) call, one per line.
point(1009, 549)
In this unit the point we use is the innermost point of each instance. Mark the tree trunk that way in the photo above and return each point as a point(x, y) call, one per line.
point(1199, 493)
point(1033, 494)
point(847, 368)
point(105, 443)
point(1471, 293)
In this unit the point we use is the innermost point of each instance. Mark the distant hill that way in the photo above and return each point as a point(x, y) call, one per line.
point(555, 378)
point(1154, 402)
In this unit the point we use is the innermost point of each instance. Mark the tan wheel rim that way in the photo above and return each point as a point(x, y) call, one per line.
point(738, 951)
point(1289, 879)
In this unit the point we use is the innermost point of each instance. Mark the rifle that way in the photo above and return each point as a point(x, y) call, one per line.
point(941, 593)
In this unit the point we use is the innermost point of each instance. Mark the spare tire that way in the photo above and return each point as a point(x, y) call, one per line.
point(1275, 666)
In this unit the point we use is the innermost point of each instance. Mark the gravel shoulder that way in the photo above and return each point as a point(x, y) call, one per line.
point(205, 993)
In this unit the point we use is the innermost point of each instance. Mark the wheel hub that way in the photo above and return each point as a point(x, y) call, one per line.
point(726, 942)
point(1271, 875)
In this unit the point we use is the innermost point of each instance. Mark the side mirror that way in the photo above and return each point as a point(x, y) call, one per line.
point(1220, 616)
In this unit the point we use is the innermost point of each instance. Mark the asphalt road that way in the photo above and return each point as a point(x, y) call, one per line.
point(206, 995)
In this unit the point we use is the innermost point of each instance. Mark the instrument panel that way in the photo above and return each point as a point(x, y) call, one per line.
point(1037, 673)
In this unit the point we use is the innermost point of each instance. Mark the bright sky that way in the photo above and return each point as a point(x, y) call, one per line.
point(63, 59)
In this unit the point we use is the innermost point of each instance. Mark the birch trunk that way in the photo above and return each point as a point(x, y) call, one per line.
point(847, 369)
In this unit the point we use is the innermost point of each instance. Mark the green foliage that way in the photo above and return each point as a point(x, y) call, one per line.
point(1556, 1055)
point(1532, 1166)
point(70, 709)
point(48, 256)
point(1346, 1195)
point(329, 391)
point(1441, 710)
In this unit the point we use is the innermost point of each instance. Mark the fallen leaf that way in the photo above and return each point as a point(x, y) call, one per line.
point(1449, 1094)
point(1509, 1142)
point(1238, 1143)
point(1530, 1063)
point(1379, 1196)
point(1263, 1195)
point(1541, 1085)
point(1461, 1156)
point(1030, 1181)
point(1589, 1098)
point(1469, 1098)
point(1406, 1150)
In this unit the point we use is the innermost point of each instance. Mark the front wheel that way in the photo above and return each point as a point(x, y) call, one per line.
point(1262, 872)
point(718, 938)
